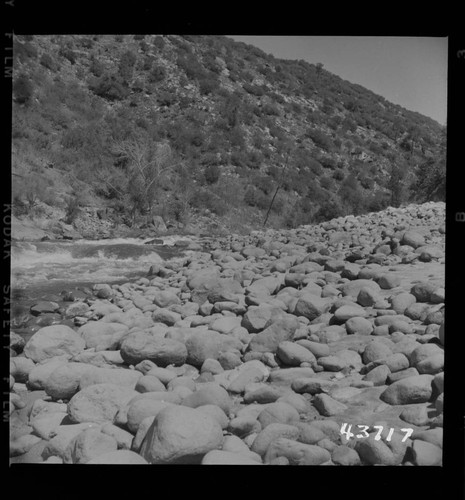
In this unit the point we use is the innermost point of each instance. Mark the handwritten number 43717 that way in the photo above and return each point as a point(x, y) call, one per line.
point(346, 430)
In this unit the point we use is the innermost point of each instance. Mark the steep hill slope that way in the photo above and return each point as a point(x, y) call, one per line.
point(182, 126)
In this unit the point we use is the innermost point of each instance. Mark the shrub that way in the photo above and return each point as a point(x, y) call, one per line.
point(338, 175)
point(24, 51)
point(328, 162)
point(48, 62)
point(270, 109)
point(23, 89)
point(327, 183)
point(68, 54)
point(72, 209)
point(96, 67)
point(211, 174)
point(109, 87)
point(253, 89)
point(254, 159)
point(157, 74)
point(126, 65)
point(328, 210)
point(208, 85)
point(255, 198)
point(320, 139)
point(158, 42)
point(166, 98)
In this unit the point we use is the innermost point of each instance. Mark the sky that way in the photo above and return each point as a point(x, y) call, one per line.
point(409, 71)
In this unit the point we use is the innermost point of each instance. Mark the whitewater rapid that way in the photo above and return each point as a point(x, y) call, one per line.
point(96, 261)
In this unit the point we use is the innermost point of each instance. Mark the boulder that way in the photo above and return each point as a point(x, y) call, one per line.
point(99, 403)
point(139, 346)
point(181, 435)
point(416, 389)
point(52, 341)
point(123, 457)
point(209, 344)
point(297, 453)
point(102, 335)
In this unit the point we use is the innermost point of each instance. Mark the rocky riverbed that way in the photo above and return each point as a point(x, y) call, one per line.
point(322, 345)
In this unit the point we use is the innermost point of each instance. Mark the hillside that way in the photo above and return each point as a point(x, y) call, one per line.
point(203, 128)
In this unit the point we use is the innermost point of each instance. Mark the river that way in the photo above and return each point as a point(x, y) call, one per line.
point(41, 270)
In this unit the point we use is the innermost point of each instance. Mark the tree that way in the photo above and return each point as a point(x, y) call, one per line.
point(148, 165)
point(396, 185)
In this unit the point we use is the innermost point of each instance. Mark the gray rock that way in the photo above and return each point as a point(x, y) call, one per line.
point(269, 339)
point(297, 453)
point(209, 393)
point(422, 291)
point(288, 375)
point(358, 326)
point(375, 350)
point(353, 288)
point(388, 281)
point(52, 341)
point(432, 364)
point(181, 435)
point(378, 375)
point(123, 457)
point(317, 349)
point(310, 306)
point(99, 403)
point(327, 406)
point(402, 301)
point(271, 433)
point(413, 239)
point(142, 408)
point(425, 453)
point(209, 345)
point(292, 354)
point(149, 383)
point(415, 414)
point(332, 363)
point(278, 413)
point(416, 389)
point(139, 346)
point(343, 455)
point(88, 444)
point(217, 457)
point(103, 335)
point(374, 452)
point(307, 385)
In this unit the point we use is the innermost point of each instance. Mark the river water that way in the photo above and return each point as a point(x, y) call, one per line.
point(40, 270)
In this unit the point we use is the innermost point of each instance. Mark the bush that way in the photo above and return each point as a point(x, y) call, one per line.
point(320, 139)
point(157, 74)
point(328, 210)
point(68, 54)
point(204, 199)
point(253, 89)
point(208, 85)
point(255, 198)
point(23, 89)
point(48, 62)
point(96, 67)
point(126, 65)
point(72, 209)
point(212, 174)
point(166, 98)
point(109, 87)
point(338, 175)
point(24, 51)
point(158, 42)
